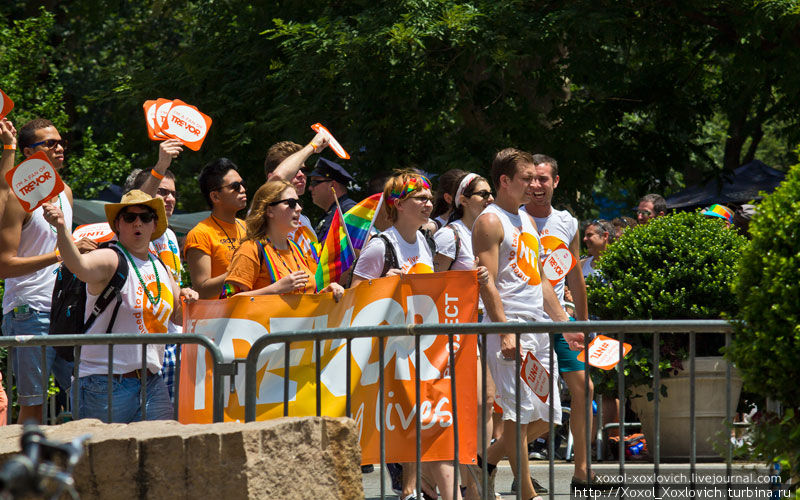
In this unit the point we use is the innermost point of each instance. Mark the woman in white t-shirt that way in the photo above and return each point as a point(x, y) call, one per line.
point(408, 204)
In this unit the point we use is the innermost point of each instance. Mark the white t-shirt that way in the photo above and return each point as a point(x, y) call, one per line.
point(166, 248)
point(446, 245)
point(558, 228)
point(518, 281)
point(136, 315)
point(36, 238)
point(413, 258)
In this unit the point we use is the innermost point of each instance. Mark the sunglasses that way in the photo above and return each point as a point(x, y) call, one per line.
point(644, 212)
point(317, 182)
point(50, 143)
point(290, 202)
point(166, 192)
point(235, 186)
point(483, 194)
point(145, 217)
point(423, 199)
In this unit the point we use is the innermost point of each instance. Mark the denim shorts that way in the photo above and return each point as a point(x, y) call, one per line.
point(27, 361)
point(126, 401)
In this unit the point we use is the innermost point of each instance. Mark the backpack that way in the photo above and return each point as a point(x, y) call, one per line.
point(458, 247)
point(390, 254)
point(69, 302)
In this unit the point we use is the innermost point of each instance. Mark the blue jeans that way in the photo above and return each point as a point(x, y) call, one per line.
point(27, 361)
point(126, 402)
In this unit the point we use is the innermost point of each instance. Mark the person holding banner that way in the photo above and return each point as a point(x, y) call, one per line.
point(150, 298)
point(28, 260)
point(268, 261)
point(403, 249)
point(505, 240)
point(210, 244)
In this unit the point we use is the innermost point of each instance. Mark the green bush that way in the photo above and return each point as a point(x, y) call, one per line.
point(767, 341)
point(680, 266)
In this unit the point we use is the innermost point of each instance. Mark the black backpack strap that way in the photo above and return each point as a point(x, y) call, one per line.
point(429, 239)
point(112, 290)
point(389, 255)
point(458, 246)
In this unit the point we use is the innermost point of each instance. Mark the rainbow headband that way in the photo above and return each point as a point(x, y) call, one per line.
point(720, 211)
point(414, 183)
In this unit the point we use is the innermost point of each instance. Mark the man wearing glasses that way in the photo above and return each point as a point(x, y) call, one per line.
point(210, 244)
point(650, 207)
point(28, 261)
point(327, 183)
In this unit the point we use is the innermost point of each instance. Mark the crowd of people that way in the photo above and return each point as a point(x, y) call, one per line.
point(496, 225)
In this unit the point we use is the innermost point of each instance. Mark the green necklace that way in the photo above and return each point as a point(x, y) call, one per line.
point(141, 281)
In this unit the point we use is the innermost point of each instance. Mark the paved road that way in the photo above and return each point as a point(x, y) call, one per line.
point(748, 481)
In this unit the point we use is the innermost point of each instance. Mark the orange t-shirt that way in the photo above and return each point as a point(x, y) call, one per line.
point(249, 266)
point(217, 239)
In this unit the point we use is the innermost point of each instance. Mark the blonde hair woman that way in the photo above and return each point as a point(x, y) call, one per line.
point(268, 261)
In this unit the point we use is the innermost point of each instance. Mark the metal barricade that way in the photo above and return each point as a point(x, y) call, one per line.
point(621, 328)
point(220, 369)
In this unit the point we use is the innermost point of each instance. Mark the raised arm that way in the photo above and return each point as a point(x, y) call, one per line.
point(94, 268)
point(167, 151)
point(288, 168)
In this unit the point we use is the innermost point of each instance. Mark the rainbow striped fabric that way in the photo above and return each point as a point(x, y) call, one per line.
point(336, 256)
point(720, 211)
point(359, 218)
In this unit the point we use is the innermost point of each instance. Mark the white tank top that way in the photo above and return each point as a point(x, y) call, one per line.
point(518, 281)
point(558, 228)
point(165, 247)
point(136, 315)
point(37, 238)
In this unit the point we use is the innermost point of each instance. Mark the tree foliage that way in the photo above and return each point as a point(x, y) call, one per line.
point(646, 96)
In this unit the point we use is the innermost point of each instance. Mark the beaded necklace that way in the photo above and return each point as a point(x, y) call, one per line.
point(238, 238)
point(152, 300)
point(61, 207)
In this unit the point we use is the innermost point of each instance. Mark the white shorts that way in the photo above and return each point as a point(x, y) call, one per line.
point(532, 408)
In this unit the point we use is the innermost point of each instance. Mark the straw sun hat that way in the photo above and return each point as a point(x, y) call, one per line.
point(137, 197)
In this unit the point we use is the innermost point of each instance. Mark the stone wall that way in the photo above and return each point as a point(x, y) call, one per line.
point(284, 458)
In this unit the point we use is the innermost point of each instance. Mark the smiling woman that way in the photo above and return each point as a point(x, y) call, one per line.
point(269, 261)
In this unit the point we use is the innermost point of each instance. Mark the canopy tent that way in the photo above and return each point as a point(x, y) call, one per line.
point(90, 211)
point(740, 187)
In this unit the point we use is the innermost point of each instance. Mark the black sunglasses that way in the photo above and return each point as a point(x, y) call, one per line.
point(166, 192)
point(483, 194)
point(145, 217)
point(316, 182)
point(235, 186)
point(291, 202)
point(50, 143)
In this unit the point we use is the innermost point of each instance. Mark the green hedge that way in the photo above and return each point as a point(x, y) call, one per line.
point(766, 346)
point(680, 266)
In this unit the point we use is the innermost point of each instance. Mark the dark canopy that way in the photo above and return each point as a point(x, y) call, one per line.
point(734, 189)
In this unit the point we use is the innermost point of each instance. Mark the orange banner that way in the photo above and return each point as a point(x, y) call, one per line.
point(235, 324)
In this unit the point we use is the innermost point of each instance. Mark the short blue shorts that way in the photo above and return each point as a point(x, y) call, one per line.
point(567, 358)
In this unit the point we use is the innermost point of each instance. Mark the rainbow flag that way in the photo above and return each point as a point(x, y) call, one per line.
point(336, 256)
point(359, 219)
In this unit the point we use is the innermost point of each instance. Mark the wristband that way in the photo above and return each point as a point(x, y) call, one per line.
point(313, 145)
point(155, 174)
point(58, 256)
point(9, 147)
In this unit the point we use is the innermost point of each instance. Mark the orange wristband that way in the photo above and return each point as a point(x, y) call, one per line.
point(9, 147)
point(58, 256)
point(156, 174)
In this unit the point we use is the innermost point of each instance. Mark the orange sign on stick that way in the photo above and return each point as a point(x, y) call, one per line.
point(334, 144)
point(604, 352)
point(6, 105)
point(98, 232)
point(34, 181)
point(187, 124)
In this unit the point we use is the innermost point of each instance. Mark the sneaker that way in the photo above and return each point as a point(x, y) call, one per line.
point(536, 486)
point(596, 484)
point(396, 475)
